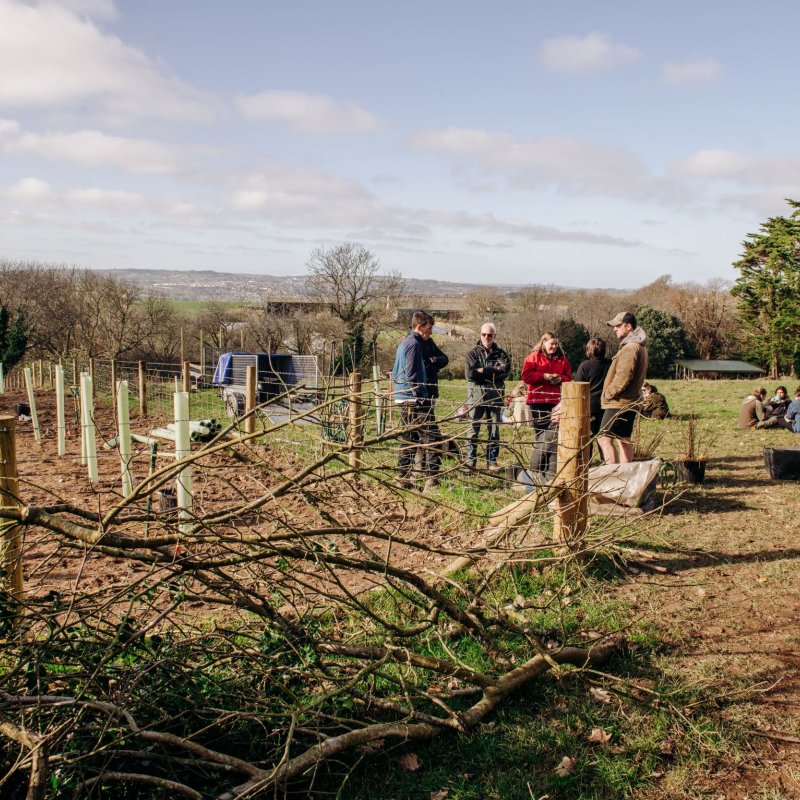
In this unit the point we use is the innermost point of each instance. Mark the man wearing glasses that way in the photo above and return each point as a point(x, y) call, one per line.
point(486, 369)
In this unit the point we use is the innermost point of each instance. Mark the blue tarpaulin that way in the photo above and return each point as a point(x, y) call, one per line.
point(223, 374)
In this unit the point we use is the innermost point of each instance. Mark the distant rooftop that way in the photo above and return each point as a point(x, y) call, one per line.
point(720, 365)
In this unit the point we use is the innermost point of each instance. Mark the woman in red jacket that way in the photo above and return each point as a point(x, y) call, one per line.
point(544, 370)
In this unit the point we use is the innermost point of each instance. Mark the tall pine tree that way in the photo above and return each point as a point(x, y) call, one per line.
point(768, 291)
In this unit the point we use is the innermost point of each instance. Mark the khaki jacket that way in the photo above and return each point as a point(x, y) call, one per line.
point(623, 383)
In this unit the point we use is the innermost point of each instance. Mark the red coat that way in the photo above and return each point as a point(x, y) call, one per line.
point(539, 389)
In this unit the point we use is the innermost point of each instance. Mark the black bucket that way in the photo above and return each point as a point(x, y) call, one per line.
point(691, 471)
point(22, 409)
point(782, 463)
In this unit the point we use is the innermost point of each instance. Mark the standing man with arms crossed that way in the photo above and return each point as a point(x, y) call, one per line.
point(486, 369)
point(411, 393)
point(621, 390)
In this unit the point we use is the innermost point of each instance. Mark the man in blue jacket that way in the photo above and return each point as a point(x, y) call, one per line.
point(418, 456)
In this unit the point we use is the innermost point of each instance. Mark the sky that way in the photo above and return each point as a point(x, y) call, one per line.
point(582, 144)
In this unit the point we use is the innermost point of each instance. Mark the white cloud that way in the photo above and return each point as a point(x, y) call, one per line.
point(307, 113)
point(719, 164)
point(700, 72)
point(570, 165)
point(578, 55)
point(31, 190)
point(93, 149)
point(113, 201)
point(303, 196)
point(52, 58)
point(489, 223)
point(94, 9)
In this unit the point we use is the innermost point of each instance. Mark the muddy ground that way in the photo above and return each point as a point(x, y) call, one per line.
point(720, 579)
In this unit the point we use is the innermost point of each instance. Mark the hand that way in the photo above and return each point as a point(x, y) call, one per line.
point(480, 369)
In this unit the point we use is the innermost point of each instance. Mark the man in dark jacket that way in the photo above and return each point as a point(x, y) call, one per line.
point(410, 384)
point(486, 368)
point(435, 360)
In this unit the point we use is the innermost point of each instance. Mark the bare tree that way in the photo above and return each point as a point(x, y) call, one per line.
point(347, 276)
point(710, 317)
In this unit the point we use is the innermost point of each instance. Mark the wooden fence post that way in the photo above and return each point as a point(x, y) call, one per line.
point(11, 540)
point(356, 432)
point(250, 400)
point(114, 382)
point(142, 389)
point(186, 377)
point(573, 465)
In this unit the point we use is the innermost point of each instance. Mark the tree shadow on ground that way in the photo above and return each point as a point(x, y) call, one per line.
point(687, 560)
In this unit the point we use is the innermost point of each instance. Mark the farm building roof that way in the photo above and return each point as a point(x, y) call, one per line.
point(720, 365)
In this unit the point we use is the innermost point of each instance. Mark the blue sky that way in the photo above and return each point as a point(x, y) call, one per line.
point(582, 144)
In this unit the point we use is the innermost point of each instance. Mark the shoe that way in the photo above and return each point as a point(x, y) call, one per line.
point(404, 483)
point(494, 467)
point(430, 484)
point(469, 464)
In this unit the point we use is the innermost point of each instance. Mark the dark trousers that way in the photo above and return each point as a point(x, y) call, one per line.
point(418, 453)
point(541, 414)
point(543, 458)
point(487, 416)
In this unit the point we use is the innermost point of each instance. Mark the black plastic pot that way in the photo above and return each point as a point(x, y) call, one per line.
point(782, 463)
point(691, 471)
point(22, 408)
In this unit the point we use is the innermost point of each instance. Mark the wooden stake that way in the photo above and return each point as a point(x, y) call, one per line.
point(356, 432)
point(91, 375)
point(187, 377)
point(250, 400)
point(573, 465)
point(183, 352)
point(142, 389)
point(10, 537)
point(114, 382)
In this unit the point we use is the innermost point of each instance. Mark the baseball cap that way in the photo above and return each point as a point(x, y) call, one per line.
point(623, 318)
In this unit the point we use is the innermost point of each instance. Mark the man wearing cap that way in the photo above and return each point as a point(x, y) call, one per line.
point(621, 390)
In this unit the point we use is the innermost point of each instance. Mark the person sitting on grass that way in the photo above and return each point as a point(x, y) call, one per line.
point(751, 411)
point(775, 409)
point(654, 404)
point(792, 419)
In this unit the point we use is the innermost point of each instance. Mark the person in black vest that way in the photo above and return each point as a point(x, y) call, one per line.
point(593, 371)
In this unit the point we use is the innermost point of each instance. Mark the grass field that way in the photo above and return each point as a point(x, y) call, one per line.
point(681, 705)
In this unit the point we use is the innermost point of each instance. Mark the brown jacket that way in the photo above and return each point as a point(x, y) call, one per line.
point(750, 412)
point(627, 372)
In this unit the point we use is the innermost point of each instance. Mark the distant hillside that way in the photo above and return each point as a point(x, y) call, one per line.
point(210, 285)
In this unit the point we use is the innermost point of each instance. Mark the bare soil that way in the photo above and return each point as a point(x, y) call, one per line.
point(722, 583)
point(730, 604)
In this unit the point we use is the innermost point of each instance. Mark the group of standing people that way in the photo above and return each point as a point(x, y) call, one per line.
point(614, 387)
point(777, 412)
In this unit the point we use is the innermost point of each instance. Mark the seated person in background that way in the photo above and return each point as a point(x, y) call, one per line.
point(751, 411)
point(518, 407)
point(792, 419)
point(654, 405)
point(775, 409)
